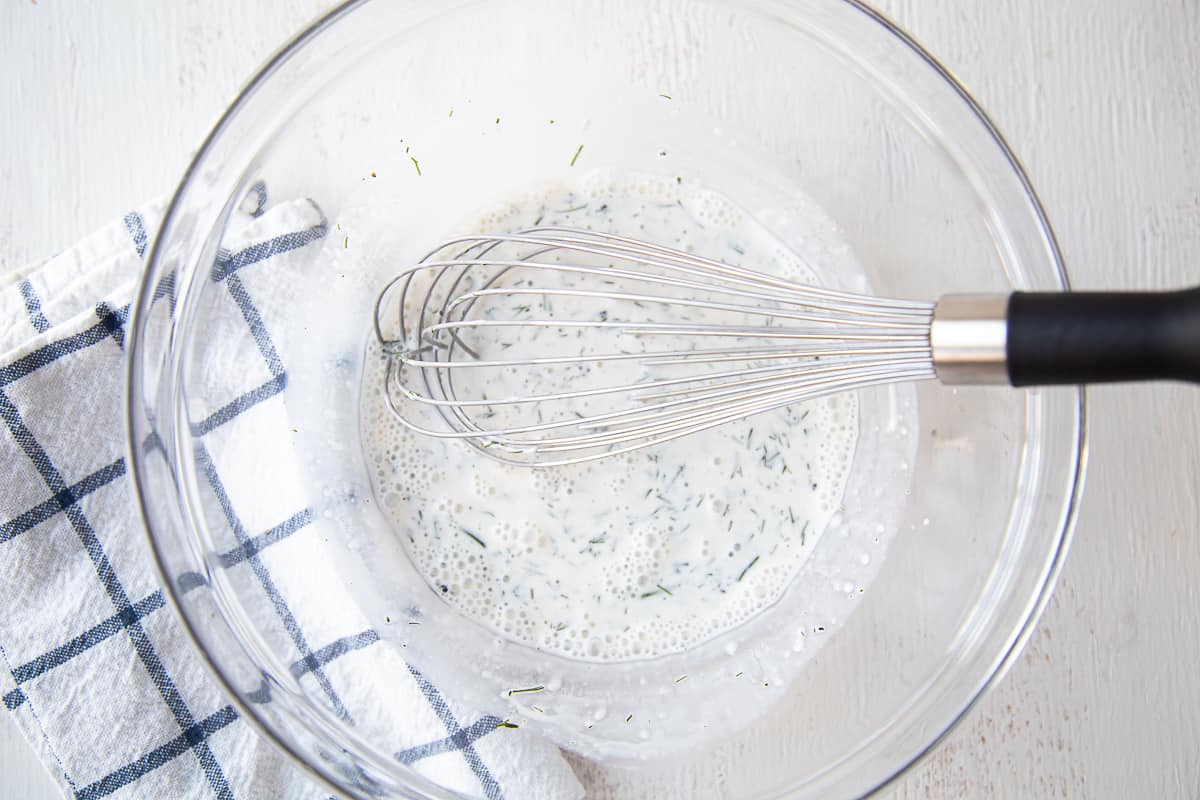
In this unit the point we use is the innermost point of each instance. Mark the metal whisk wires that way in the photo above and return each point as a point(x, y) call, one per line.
point(556, 345)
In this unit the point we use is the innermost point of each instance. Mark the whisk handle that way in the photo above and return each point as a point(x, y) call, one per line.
point(1103, 337)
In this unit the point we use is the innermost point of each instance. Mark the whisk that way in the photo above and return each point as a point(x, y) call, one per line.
point(556, 345)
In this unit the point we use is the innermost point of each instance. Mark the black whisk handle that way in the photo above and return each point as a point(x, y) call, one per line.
point(1103, 337)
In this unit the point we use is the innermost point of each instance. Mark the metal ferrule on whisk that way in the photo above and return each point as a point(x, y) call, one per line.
point(969, 339)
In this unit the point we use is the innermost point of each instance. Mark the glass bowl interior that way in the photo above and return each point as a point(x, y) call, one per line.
point(399, 119)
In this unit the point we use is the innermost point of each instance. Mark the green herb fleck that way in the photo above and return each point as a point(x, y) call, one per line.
point(387, 620)
point(451, 114)
point(295, 430)
point(497, 120)
point(662, 588)
point(575, 157)
point(678, 472)
point(665, 96)
point(803, 531)
point(740, 674)
point(478, 541)
point(681, 679)
point(416, 165)
point(346, 243)
point(530, 690)
point(629, 718)
point(747, 569)
point(507, 724)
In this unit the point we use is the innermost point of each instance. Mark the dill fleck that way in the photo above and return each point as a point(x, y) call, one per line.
point(539, 710)
point(791, 515)
point(478, 541)
point(665, 96)
point(346, 243)
point(575, 157)
point(681, 679)
point(679, 179)
point(295, 430)
point(629, 718)
point(530, 690)
point(416, 165)
point(664, 589)
point(678, 472)
point(747, 569)
point(740, 674)
point(497, 120)
point(507, 724)
point(662, 152)
point(451, 114)
point(413, 622)
point(387, 620)
point(803, 532)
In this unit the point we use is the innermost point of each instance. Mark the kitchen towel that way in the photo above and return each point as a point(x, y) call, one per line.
point(98, 673)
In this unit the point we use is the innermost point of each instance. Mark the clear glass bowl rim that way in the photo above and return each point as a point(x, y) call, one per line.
point(147, 288)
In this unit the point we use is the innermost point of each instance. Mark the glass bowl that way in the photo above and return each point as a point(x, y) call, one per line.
point(396, 118)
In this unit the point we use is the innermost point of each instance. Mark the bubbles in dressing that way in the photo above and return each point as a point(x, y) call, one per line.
point(638, 555)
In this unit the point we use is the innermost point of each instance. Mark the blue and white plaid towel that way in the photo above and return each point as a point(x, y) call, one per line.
point(96, 670)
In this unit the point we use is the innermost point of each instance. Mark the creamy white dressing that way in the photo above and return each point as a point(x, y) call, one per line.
point(634, 556)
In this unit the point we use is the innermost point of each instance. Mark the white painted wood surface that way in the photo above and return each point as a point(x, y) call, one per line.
point(103, 104)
